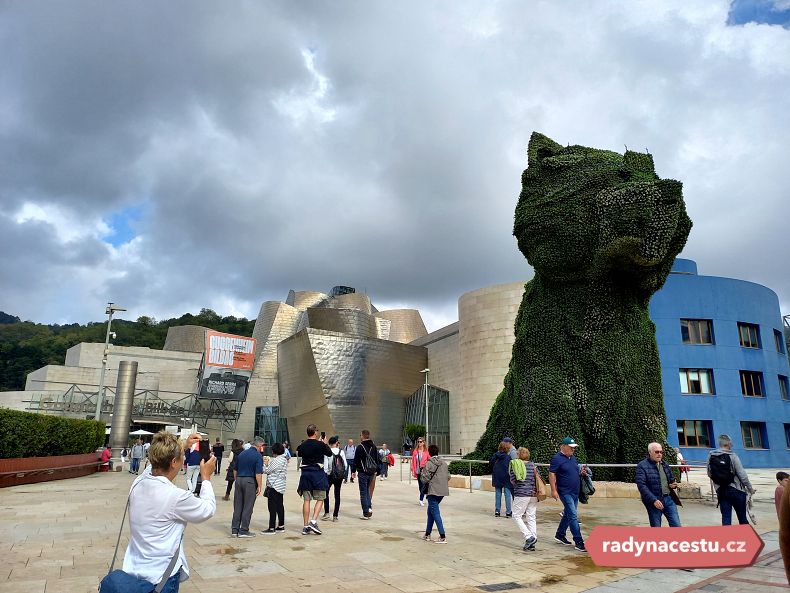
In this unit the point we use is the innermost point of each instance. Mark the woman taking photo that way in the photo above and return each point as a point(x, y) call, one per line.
point(419, 457)
point(436, 477)
point(276, 471)
point(159, 512)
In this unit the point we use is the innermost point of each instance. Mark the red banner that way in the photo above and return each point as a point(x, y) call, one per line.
point(674, 547)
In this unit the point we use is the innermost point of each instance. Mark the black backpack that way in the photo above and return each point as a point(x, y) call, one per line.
point(338, 470)
point(367, 461)
point(721, 469)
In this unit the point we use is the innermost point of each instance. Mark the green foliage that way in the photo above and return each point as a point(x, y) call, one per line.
point(23, 434)
point(462, 468)
point(413, 431)
point(602, 231)
point(27, 346)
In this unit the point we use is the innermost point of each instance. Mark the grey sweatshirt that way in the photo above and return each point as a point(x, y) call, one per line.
point(741, 481)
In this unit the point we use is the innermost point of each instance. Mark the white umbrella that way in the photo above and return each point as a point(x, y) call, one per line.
point(139, 432)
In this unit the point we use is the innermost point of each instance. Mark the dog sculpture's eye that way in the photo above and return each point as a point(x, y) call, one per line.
point(625, 175)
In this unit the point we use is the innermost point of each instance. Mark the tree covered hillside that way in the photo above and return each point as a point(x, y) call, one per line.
point(26, 346)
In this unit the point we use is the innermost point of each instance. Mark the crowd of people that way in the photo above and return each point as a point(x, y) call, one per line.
point(325, 467)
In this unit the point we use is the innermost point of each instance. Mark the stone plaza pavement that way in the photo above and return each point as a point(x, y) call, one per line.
point(58, 537)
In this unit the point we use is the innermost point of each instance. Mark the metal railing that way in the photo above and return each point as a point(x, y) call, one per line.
point(450, 458)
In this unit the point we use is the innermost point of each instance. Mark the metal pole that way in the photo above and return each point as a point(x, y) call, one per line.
point(100, 395)
point(426, 408)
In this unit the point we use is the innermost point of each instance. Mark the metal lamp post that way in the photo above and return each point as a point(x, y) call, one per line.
point(111, 308)
point(426, 371)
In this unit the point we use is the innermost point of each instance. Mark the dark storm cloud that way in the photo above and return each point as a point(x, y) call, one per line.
point(303, 145)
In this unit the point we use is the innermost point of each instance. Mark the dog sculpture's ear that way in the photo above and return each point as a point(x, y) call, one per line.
point(639, 161)
point(540, 147)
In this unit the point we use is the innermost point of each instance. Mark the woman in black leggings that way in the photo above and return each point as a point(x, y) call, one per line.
point(276, 471)
point(235, 449)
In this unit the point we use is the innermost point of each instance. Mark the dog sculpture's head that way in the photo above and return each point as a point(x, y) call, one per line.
point(587, 214)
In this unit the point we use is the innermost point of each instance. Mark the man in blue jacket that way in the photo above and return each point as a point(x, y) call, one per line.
point(655, 481)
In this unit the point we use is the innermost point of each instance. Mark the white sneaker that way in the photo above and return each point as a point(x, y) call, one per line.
point(422, 503)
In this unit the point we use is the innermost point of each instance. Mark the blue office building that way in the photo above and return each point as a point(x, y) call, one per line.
point(724, 366)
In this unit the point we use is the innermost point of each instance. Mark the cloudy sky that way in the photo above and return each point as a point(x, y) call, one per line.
point(173, 156)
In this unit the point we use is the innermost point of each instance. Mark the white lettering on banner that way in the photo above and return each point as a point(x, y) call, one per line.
point(226, 343)
point(220, 357)
point(221, 387)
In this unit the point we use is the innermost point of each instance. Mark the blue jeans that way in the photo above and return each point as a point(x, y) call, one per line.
point(363, 480)
point(570, 518)
point(173, 583)
point(434, 516)
point(135, 465)
point(670, 511)
point(498, 499)
point(349, 468)
point(732, 498)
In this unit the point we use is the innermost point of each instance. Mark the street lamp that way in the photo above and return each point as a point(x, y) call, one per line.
point(426, 371)
point(111, 308)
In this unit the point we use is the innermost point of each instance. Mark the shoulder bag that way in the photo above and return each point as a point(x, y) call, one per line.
point(118, 581)
point(540, 486)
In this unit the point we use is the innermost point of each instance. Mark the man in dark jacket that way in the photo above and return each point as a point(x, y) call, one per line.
point(655, 480)
point(366, 465)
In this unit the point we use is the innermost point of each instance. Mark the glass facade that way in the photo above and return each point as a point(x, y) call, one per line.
point(438, 415)
point(270, 426)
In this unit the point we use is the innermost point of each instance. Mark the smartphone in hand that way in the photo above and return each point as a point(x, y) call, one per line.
point(205, 449)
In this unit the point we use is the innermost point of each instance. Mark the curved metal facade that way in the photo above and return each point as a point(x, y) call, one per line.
point(344, 384)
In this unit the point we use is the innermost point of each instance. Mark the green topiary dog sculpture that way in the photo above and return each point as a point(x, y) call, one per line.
point(602, 231)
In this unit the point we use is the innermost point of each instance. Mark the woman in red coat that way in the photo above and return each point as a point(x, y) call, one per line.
point(418, 458)
point(105, 459)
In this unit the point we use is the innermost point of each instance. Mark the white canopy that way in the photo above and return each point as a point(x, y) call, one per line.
point(139, 432)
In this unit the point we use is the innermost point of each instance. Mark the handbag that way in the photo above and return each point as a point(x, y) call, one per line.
point(540, 486)
point(266, 491)
point(118, 581)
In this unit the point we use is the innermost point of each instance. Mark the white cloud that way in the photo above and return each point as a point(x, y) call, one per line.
point(387, 156)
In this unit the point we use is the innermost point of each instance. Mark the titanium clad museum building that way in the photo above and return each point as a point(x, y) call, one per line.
point(335, 360)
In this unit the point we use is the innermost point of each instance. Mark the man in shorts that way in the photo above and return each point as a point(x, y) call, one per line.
point(313, 482)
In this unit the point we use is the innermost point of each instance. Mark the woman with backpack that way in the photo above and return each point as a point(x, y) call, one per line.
point(335, 468)
point(525, 501)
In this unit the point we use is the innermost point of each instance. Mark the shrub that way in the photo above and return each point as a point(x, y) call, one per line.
point(24, 434)
point(462, 468)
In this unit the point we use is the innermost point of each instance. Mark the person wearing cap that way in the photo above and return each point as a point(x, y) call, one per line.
point(565, 480)
point(512, 451)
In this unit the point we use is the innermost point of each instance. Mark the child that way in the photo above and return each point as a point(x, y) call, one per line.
point(781, 477)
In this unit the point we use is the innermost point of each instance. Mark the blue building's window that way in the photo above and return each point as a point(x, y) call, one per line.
point(696, 381)
point(696, 331)
point(749, 334)
point(694, 433)
point(754, 435)
point(787, 435)
point(784, 387)
point(752, 384)
point(779, 340)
